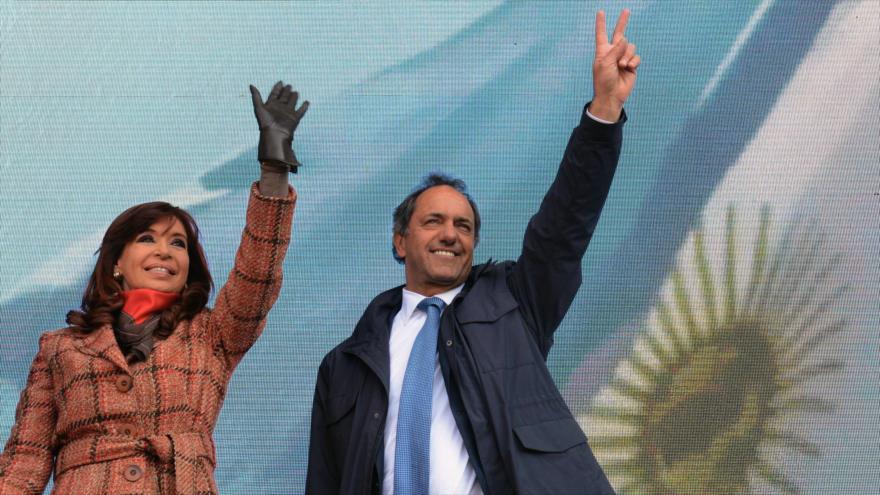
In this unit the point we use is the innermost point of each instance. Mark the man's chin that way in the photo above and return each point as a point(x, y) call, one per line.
point(449, 280)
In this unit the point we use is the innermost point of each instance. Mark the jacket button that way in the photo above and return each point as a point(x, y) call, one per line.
point(449, 343)
point(123, 383)
point(133, 472)
point(375, 415)
point(127, 430)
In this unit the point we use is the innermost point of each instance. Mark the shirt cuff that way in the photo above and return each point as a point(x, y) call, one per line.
point(597, 119)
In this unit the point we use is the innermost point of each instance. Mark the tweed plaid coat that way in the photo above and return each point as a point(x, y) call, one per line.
point(105, 427)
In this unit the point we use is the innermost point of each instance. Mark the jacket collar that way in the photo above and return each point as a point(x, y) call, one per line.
point(102, 343)
point(369, 341)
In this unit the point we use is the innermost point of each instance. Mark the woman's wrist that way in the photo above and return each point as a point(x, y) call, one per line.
point(273, 179)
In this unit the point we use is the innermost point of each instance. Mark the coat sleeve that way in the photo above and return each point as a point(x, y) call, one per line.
point(321, 477)
point(28, 457)
point(254, 283)
point(547, 274)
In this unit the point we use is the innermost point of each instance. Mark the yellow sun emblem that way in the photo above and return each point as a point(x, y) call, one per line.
point(711, 394)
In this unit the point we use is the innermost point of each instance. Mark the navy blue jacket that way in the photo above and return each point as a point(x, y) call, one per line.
point(493, 341)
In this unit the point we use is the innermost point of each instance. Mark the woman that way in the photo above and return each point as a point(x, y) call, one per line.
point(125, 399)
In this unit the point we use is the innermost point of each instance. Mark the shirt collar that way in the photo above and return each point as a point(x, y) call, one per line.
point(412, 299)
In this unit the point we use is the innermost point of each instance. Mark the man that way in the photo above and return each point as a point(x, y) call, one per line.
point(443, 387)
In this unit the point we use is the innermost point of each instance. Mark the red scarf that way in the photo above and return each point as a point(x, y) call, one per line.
point(140, 304)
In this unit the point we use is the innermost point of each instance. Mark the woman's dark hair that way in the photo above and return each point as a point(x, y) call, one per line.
point(102, 301)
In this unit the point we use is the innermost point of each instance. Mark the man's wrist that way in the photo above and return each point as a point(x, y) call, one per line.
point(605, 111)
point(597, 119)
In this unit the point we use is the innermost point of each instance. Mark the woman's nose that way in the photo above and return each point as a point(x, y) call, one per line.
point(162, 250)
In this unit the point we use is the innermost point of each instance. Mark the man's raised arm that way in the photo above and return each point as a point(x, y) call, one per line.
point(548, 272)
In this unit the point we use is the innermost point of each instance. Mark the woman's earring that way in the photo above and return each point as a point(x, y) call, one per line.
point(117, 274)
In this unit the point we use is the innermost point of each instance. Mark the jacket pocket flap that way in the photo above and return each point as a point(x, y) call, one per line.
point(486, 309)
point(557, 435)
point(489, 299)
point(338, 406)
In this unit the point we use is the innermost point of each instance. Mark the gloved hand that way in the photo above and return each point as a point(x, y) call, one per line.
point(278, 118)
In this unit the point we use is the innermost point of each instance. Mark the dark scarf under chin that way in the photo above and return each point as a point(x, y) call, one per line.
point(139, 318)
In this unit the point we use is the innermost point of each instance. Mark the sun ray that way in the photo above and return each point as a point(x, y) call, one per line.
point(658, 349)
point(609, 412)
point(799, 405)
point(790, 441)
point(683, 307)
point(630, 391)
point(800, 348)
point(730, 268)
point(775, 477)
point(760, 257)
point(638, 374)
point(811, 320)
point(795, 288)
point(664, 316)
point(779, 267)
point(820, 305)
point(824, 367)
point(646, 356)
point(707, 285)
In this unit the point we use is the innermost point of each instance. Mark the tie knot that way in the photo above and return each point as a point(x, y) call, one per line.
point(427, 302)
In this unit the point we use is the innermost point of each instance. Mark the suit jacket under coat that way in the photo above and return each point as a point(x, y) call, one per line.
point(494, 340)
point(106, 427)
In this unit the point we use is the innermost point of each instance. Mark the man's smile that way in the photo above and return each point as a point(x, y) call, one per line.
point(444, 252)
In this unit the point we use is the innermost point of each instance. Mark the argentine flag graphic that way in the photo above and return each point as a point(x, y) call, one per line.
point(725, 337)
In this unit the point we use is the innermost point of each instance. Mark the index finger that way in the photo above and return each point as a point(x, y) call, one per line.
point(302, 109)
point(256, 97)
point(621, 26)
point(601, 33)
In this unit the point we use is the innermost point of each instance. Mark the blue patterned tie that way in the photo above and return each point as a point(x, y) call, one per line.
point(412, 454)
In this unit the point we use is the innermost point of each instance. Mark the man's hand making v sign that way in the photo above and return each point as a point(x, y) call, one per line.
point(614, 69)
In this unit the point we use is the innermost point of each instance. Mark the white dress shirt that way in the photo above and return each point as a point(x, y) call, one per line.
point(451, 470)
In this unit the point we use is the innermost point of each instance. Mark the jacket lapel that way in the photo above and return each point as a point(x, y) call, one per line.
point(102, 343)
point(369, 341)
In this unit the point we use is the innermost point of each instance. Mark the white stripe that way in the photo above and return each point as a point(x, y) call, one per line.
point(741, 39)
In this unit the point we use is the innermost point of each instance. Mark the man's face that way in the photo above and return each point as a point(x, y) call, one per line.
point(438, 246)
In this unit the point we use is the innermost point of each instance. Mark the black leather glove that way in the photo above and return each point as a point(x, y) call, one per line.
point(278, 118)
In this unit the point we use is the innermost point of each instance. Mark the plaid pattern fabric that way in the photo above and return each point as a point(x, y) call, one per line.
point(105, 427)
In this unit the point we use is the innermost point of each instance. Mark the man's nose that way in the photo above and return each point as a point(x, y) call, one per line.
point(448, 233)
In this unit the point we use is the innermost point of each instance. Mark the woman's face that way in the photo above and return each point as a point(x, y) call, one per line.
point(156, 258)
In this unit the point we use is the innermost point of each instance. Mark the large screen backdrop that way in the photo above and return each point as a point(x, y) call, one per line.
point(725, 339)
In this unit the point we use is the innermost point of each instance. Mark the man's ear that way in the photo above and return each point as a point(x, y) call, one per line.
point(399, 245)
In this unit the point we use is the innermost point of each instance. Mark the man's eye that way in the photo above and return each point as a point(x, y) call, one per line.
point(464, 227)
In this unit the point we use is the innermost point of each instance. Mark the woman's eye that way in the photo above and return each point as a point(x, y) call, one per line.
point(179, 243)
point(145, 238)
